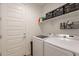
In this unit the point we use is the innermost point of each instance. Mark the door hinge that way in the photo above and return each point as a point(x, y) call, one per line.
point(0, 18)
point(0, 36)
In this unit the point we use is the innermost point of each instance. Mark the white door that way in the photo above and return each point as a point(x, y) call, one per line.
point(13, 29)
point(51, 50)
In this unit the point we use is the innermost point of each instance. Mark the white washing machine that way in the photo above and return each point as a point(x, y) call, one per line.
point(51, 48)
point(38, 45)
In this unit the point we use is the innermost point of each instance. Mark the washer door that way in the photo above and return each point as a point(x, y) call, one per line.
point(37, 47)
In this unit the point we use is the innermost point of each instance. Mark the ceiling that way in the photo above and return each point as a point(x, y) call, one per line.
point(36, 4)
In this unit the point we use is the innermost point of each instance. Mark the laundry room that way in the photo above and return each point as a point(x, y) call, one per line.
point(39, 29)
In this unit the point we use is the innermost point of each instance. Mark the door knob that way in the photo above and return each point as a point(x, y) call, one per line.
point(24, 35)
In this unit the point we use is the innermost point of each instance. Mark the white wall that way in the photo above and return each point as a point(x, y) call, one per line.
point(0, 28)
point(32, 12)
point(0, 34)
point(54, 26)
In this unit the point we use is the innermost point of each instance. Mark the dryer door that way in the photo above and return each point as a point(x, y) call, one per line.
point(51, 50)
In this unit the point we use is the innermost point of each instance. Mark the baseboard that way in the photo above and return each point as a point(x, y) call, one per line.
point(28, 54)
